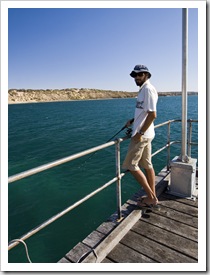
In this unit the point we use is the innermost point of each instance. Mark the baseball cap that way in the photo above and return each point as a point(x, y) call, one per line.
point(139, 69)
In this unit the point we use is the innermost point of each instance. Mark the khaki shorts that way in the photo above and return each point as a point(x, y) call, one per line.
point(138, 155)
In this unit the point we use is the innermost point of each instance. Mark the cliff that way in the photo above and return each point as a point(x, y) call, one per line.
point(26, 96)
point(17, 96)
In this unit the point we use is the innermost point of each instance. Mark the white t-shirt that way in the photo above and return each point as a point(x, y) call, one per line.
point(146, 102)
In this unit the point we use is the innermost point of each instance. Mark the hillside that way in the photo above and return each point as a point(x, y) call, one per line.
point(16, 96)
point(26, 96)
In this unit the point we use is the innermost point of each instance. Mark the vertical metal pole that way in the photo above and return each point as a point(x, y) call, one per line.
point(117, 156)
point(189, 139)
point(168, 149)
point(184, 157)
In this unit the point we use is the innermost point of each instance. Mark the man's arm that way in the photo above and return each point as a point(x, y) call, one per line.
point(149, 119)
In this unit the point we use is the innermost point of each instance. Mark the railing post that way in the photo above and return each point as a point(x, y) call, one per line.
point(168, 142)
point(118, 175)
point(189, 138)
point(184, 157)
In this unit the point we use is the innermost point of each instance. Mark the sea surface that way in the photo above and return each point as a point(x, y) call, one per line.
point(43, 132)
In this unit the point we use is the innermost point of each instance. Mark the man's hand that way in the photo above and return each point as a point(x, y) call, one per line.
point(137, 137)
point(129, 123)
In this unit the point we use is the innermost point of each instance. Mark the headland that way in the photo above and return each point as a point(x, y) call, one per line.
point(50, 95)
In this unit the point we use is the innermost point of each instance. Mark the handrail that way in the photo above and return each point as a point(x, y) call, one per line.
point(60, 214)
point(57, 162)
point(39, 169)
point(117, 179)
point(169, 143)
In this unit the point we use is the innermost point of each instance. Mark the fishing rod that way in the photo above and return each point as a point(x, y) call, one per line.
point(128, 133)
point(117, 133)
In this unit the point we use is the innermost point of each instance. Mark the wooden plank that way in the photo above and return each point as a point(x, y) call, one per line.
point(113, 238)
point(168, 196)
point(167, 238)
point(64, 260)
point(126, 209)
point(171, 225)
point(179, 206)
point(106, 227)
point(172, 210)
point(157, 237)
point(124, 254)
point(107, 261)
point(93, 239)
point(77, 252)
point(177, 216)
point(150, 248)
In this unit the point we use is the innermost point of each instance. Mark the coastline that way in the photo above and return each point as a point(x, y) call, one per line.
point(22, 96)
point(70, 100)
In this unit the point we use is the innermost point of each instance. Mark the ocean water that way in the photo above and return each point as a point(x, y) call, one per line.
point(43, 132)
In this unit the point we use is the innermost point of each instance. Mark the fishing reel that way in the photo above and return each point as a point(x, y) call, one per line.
point(128, 132)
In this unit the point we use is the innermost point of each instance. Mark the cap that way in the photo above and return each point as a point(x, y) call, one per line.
point(139, 69)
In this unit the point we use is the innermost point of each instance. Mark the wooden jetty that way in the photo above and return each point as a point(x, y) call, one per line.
point(165, 235)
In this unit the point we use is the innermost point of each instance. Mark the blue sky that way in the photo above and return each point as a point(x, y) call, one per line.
point(98, 47)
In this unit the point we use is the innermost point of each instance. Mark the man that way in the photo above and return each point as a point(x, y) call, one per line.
point(139, 151)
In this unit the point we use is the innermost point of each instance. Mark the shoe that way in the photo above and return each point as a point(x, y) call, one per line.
point(142, 204)
point(142, 197)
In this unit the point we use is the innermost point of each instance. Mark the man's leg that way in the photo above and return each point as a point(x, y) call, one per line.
point(142, 180)
point(150, 175)
point(146, 162)
point(133, 157)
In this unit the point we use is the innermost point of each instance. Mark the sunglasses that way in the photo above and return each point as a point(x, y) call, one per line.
point(137, 74)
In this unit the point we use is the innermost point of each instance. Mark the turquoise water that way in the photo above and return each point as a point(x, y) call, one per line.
point(43, 132)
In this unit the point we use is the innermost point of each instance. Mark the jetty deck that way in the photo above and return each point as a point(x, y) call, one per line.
point(165, 235)
point(168, 235)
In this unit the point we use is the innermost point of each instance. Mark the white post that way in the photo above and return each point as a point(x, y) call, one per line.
point(184, 157)
point(183, 168)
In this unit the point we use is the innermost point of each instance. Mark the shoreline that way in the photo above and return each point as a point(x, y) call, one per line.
point(23, 96)
point(70, 100)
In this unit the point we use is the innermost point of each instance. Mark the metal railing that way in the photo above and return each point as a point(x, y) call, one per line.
point(169, 142)
point(116, 179)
